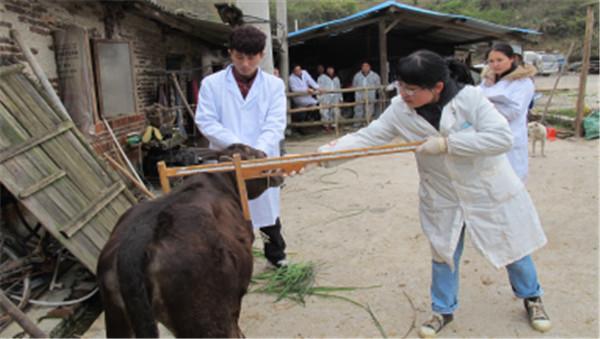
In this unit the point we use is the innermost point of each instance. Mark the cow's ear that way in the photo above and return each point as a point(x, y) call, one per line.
point(225, 158)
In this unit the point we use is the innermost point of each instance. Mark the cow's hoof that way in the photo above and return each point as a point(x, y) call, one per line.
point(279, 264)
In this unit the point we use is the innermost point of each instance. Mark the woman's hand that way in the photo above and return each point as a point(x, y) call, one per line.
point(433, 146)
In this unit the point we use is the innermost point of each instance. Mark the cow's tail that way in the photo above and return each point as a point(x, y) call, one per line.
point(131, 268)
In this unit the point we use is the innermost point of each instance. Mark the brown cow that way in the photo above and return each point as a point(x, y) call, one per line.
point(184, 259)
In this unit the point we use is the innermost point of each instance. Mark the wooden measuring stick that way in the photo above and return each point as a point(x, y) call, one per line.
point(276, 166)
point(260, 168)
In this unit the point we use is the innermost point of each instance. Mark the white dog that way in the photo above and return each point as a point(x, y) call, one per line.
point(536, 132)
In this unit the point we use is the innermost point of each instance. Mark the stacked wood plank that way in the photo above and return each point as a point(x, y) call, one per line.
point(47, 164)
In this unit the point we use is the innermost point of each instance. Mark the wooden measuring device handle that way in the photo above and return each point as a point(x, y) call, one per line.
point(241, 182)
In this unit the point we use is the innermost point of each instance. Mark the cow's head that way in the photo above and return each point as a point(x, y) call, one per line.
point(255, 187)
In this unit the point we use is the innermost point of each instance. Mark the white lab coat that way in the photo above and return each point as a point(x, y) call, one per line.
point(370, 80)
point(301, 84)
point(473, 184)
point(327, 83)
point(225, 117)
point(511, 96)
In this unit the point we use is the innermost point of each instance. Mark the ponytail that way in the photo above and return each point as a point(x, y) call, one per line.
point(459, 71)
point(425, 68)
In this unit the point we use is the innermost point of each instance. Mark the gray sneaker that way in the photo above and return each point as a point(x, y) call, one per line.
point(433, 326)
point(538, 318)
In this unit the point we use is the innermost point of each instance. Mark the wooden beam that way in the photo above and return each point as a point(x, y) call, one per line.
point(205, 34)
point(15, 150)
point(7, 70)
point(17, 315)
point(383, 53)
point(104, 198)
point(40, 185)
point(392, 25)
point(474, 41)
point(452, 24)
point(425, 31)
point(587, 44)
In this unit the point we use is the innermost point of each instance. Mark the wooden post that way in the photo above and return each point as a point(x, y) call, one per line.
point(587, 42)
point(336, 112)
point(164, 179)
point(556, 83)
point(367, 110)
point(237, 163)
point(282, 31)
point(383, 53)
point(17, 315)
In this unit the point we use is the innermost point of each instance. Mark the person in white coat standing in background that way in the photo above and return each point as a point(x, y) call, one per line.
point(466, 182)
point(329, 81)
point(365, 78)
point(243, 104)
point(510, 88)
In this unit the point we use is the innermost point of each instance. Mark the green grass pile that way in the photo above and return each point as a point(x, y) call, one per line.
point(297, 281)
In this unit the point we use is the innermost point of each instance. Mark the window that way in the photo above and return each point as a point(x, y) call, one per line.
point(114, 78)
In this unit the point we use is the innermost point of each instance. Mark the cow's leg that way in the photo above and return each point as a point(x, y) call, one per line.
point(115, 317)
point(117, 325)
point(196, 316)
point(533, 148)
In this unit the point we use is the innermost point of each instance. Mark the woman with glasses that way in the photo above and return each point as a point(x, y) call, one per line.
point(466, 182)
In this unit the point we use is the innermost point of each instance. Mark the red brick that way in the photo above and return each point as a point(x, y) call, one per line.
point(99, 128)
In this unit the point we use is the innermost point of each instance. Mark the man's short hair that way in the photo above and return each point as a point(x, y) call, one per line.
point(247, 39)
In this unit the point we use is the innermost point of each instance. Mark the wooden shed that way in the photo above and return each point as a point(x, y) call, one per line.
point(386, 32)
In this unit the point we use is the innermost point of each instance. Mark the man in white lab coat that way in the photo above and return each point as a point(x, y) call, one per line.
point(329, 81)
point(301, 81)
point(243, 104)
point(365, 78)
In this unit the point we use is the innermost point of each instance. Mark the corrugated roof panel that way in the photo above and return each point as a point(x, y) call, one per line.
point(373, 11)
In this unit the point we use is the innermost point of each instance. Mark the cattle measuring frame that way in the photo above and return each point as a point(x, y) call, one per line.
point(266, 167)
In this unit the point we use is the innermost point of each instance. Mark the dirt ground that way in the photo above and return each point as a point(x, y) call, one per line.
point(359, 221)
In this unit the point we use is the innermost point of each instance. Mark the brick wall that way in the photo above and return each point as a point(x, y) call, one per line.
point(151, 41)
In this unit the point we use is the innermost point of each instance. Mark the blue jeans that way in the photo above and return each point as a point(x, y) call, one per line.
point(444, 282)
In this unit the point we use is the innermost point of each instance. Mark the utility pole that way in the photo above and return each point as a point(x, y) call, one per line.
point(256, 13)
point(284, 66)
point(587, 42)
